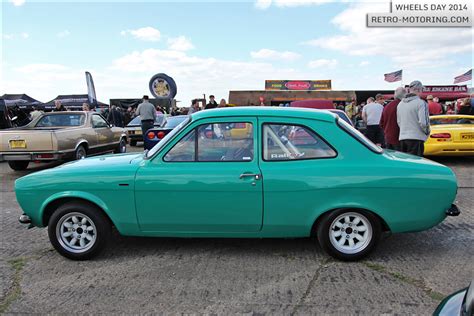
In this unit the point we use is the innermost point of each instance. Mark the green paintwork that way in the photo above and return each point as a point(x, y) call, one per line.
point(207, 199)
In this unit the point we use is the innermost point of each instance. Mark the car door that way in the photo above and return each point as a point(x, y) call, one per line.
point(300, 170)
point(206, 180)
point(105, 135)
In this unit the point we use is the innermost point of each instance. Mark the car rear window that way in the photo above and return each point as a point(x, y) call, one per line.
point(358, 136)
point(158, 120)
point(56, 120)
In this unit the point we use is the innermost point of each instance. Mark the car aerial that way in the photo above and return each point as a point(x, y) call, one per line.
point(337, 186)
point(460, 303)
point(134, 128)
point(154, 135)
point(58, 136)
point(451, 135)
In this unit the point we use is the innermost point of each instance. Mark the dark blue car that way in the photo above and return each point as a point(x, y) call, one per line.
point(154, 135)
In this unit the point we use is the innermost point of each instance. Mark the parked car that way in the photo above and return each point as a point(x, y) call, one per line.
point(134, 128)
point(60, 136)
point(451, 135)
point(460, 303)
point(339, 187)
point(154, 135)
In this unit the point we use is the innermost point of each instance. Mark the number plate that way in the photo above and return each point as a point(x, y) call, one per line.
point(468, 136)
point(15, 144)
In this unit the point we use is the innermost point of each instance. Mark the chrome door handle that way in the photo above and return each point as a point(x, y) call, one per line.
point(256, 175)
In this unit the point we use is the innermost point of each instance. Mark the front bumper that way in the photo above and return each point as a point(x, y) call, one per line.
point(31, 156)
point(453, 210)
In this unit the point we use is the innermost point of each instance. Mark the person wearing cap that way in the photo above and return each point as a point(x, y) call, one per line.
point(433, 106)
point(388, 121)
point(413, 120)
point(212, 103)
point(371, 114)
point(147, 114)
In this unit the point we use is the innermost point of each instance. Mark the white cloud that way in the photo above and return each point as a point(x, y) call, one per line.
point(148, 33)
point(180, 43)
point(63, 34)
point(22, 35)
point(17, 3)
point(38, 68)
point(265, 4)
point(8, 36)
point(270, 54)
point(364, 63)
point(322, 63)
point(405, 47)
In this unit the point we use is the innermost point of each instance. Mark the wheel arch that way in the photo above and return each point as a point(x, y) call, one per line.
point(383, 223)
point(54, 202)
point(84, 143)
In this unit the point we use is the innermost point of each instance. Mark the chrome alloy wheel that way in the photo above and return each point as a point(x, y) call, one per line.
point(76, 232)
point(350, 233)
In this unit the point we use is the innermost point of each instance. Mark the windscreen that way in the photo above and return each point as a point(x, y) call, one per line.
point(56, 120)
point(172, 122)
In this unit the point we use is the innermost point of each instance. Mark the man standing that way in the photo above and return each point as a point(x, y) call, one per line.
point(433, 106)
point(194, 107)
point(371, 114)
point(115, 117)
point(413, 120)
point(147, 114)
point(58, 107)
point(212, 103)
point(388, 121)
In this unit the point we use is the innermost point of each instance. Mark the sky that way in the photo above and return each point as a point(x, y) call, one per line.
point(212, 47)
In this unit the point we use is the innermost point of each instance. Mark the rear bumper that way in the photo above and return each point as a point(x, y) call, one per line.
point(32, 156)
point(453, 210)
point(449, 149)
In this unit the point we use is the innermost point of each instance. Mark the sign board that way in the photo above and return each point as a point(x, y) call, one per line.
point(445, 89)
point(298, 85)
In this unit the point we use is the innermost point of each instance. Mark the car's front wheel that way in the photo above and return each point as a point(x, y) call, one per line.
point(122, 147)
point(18, 165)
point(349, 235)
point(81, 152)
point(78, 231)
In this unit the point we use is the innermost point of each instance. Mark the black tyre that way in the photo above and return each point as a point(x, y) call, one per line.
point(122, 147)
point(163, 86)
point(133, 143)
point(79, 231)
point(18, 165)
point(349, 235)
point(81, 152)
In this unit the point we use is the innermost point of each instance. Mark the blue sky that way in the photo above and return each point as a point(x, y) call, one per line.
point(214, 47)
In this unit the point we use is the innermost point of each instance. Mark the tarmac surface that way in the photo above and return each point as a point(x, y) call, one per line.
point(407, 274)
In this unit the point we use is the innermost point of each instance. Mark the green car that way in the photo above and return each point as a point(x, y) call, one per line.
point(248, 172)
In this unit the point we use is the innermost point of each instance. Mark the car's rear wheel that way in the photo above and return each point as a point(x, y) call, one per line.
point(18, 165)
point(81, 152)
point(122, 147)
point(78, 231)
point(349, 235)
point(133, 143)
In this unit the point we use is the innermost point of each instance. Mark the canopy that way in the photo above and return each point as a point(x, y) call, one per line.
point(72, 101)
point(23, 101)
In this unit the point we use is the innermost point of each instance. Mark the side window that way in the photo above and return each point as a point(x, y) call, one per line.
point(98, 121)
point(184, 150)
point(293, 142)
point(225, 142)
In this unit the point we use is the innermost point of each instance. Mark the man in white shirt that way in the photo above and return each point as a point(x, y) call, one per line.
point(371, 114)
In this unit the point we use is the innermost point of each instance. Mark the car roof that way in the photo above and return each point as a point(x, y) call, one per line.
point(322, 115)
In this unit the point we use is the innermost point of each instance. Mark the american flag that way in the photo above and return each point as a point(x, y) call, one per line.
point(394, 76)
point(464, 77)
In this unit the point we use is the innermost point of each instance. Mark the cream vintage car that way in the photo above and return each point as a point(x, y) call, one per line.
point(60, 136)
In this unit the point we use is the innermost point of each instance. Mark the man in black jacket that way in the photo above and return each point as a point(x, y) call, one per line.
point(115, 117)
point(212, 103)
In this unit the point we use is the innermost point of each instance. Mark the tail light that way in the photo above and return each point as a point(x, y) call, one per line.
point(150, 135)
point(441, 135)
point(240, 125)
point(160, 135)
point(209, 134)
point(45, 156)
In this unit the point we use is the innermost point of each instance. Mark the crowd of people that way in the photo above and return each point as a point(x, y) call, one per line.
point(403, 124)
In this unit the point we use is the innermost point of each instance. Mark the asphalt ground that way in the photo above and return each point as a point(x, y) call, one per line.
point(407, 274)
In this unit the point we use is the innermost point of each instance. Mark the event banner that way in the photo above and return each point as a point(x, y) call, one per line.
point(297, 84)
point(445, 89)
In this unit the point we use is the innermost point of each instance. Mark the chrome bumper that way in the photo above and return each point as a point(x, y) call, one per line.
point(24, 219)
